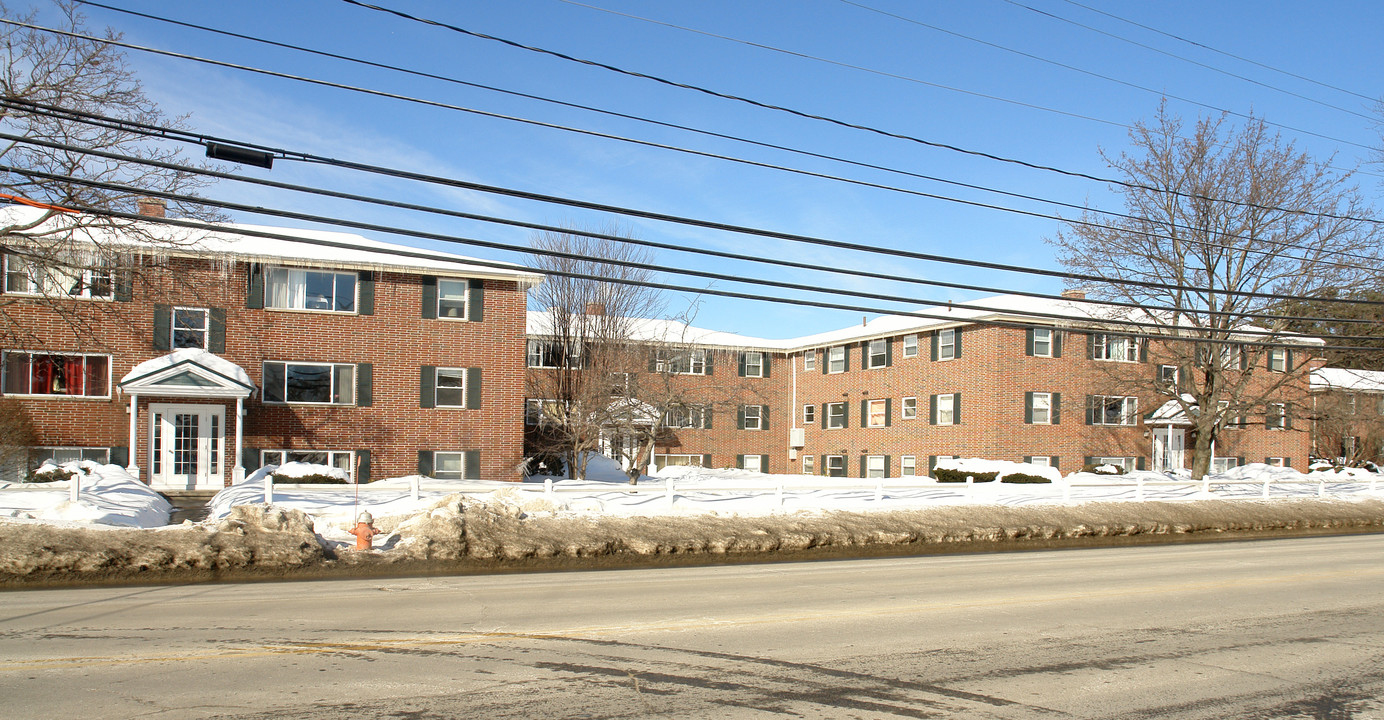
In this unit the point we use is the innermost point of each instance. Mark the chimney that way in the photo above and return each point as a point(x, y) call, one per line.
point(152, 207)
point(595, 308)
point(1074, 294)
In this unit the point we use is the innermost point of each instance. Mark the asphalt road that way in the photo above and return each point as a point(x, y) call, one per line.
point(1266, 629)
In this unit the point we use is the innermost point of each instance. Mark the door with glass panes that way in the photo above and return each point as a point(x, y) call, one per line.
point(186, 446)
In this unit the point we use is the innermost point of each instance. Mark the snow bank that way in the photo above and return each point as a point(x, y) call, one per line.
point(999, 467)
point(109, 496)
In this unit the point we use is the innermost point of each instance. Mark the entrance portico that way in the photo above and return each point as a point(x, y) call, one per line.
point(1169, 425)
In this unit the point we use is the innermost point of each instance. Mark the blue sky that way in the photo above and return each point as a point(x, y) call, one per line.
point(893, 86)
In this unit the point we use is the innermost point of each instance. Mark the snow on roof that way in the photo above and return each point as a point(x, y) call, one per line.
point(1170, 412)
point(539, 322)
point(301, 247)
point(197, 355)
point(1346, 379)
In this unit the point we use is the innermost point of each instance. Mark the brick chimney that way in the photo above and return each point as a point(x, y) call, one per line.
point(595, 308)
point(1074, 294)
point(152, 207)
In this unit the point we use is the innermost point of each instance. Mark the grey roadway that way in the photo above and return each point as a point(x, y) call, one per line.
point(1266, 629)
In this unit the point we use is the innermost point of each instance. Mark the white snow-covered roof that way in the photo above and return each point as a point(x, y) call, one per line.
point(280, 245)
point(1170, 412)
point(199, 356)
point(538, 324)
point(1346, 379)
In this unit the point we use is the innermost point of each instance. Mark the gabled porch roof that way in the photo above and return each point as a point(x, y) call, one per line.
point(188, 373)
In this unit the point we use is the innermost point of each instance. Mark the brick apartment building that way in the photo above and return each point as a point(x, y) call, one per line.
point(207, 353)
point(1348, 408)
point(892, 395)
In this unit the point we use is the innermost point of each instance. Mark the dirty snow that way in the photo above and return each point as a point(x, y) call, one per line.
point(108, 496)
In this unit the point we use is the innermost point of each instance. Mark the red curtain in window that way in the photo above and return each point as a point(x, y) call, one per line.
point(96, 376)
point(75, 370)
point(40, 374)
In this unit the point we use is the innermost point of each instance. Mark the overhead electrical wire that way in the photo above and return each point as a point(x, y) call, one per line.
point(677, 219)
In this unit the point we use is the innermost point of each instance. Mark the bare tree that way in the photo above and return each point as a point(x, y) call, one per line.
point(1220, 213)
point(54, 253)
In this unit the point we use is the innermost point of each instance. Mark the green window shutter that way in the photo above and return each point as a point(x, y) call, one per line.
point(1028, 408)
point(740, 417)
point(249, 459)
point(886, 465)
point(1089, 460)
point(124, 288)
point(429, 297)
point(1239, 462)
point(471, 465)
point(824, 415)
point(216, 333)
point(1028, 342)
point(473, 388)
point(1054, 460)
point(706, 419)
point(864, 465)
point(1140, 463)
point(888, 412)
point(846, 358)
point(764, 463)
point(475, 300)
point(163, 327)
point(362, 466)
point(1143, 349)
point(1288, 361)
point(934, 344)
point(957, 338)
point(365, 384)
point(741, 369)
point(825, 359)
point(1055, 408)
point(739, 462)
point(254, 288)
point(708, 366)
point(427, 387)
point(845, 414)
point(706, 460)
point(1028, 458)
point(425, 463)
point(889, 352)
point(119, 455)
point(932, 409)
point(1090, 410)
point(931, 464)
point(764, 369)
point(763, 417)
point(365, 293)
point(956, 408)
point(1057, 343)
point(864, 413)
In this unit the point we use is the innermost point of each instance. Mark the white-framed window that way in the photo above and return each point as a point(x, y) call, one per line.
point(1119, 348)
point(1114, 410)
point(542, 411)
point(836, 415)
point(449, 465)
point(753, 417)
point(340, 459)
point(1168, 376)
point(64, 374)
point(676, 460)
point(1126, 463)
point(1231, 356)
point(451, 387)
point(317, 290)
point(809, 465)
point(1278, 360)
point(836, 466)
point(910, 345)
point(908, 465)
point(751, 462)
point(1041, 412)
point(754, 364)
point(877, 354)
point(946, 344)
point(809, 414)
point(1042, 342)
point(874, 466)
point(908, 408)
point(877, 413)
point(62, 455)
point(946, 409)
point(1276, 416)
point(309, 382)
point(1276, 462)
point(1223, 464)
point(1041, 460)
point(810, 360)
point(70, 278)
point(685, 416)
point(451, 298)
point(190, 327)
point(680, 362)
point(553, 354)
point(836, 359)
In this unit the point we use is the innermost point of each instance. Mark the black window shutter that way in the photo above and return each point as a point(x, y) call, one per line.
point(124, 290)
point(249, 459)
point(1089, 460)
point(709, 356)
point(845, 414)
point(427, 387)
point(1140, 463)
point(1028, 409)
point(163, 327)
point(739, 462)
point(846, 358)
point(888, 353)
point(1239, 461)
point(888, 412)
point(864, 413)
point(120, 455)
point(742, 365)
point(826, 359)
point(429, 297)
point(1055, 408)
point(1028, 342)
point(1028, 458)
point(706, 419)
point(362, 466)
point(864, 465)
point(886, 466)
point(425, 463)
point(825, 413)
point(254, 288)
point(932, 410)
point(931, 463)
point(471, 465)
point(365, 384)
point(475, 300)
point(473, 388)
point(740, 417)
point(1053, 460)
point(1090, 410)
point(1057, 343)
point(956, 338)
point(764, 368)
point(934, 344)
point(1288, 361)
point(365, 293)
point(706, 460)
point(216, 333)
point(956, 408)
point(1143, 350)
point(763, 417)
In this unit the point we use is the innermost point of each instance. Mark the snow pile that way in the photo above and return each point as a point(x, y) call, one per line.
point(999, 467)
point(290, 470)
point(108, 496)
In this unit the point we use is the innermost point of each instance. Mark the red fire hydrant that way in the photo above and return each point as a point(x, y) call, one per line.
point(365, 531)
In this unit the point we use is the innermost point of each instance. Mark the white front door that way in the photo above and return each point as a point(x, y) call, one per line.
point(1168, 444)
point(186, 443)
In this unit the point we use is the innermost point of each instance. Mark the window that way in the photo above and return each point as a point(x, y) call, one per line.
point(190, 327)
point(451, 387)
point(836, 415)
point(686, 416)
point(908, 465)
point(946, 344)
point(877, 413)
point(318, 383)
point(910, 345)
point(1351, 404)
point(836, 466)
point(1167, 377)
point(1041, 460)
point(68, 279)
point(1223, 464)
point(752, 417)
point(1114, 410)
point(663, 461)
point(946, 410)
point(810, 360)
point(809, 414)
point(51, 374)
point(451, 299)
point(836, 359)
point(1231, 356)
point(753, 363)
point(320, 290)
point(1042, 342)
point(909, 410)
point(752, 462)
point(1276, 416)
point(63, 455)
point(1126, 463)
point(1278, 360)
point(1040, 408)
point(552, 354)
point(682, 362)
point(809, 466)
point(1276, 462)
point(449, 465)
point(340, 459)
point(542, 412)
point(877, 354)
point(875, 466)
point(1119, 348)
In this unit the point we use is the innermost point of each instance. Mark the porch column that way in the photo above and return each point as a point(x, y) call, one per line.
point(238, 474)
point(133, 467)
